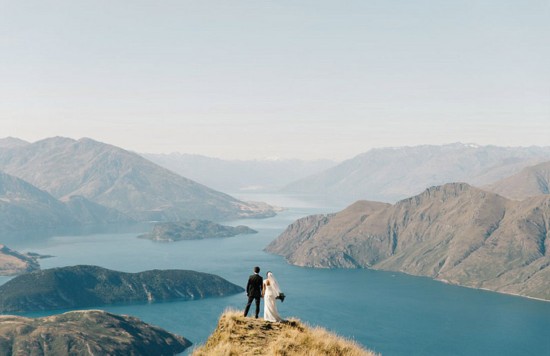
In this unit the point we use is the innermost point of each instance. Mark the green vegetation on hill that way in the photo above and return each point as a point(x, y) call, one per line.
point(90, 286)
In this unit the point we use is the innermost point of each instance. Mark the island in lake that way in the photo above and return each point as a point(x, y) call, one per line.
point(194, 229)
point(89, 286)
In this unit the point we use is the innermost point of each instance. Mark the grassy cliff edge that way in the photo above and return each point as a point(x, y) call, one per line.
point(237, 335)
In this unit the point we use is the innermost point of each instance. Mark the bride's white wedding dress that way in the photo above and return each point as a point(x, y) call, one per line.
point(271, 292)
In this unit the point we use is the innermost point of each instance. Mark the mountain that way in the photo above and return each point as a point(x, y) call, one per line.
point(237, 335)
point(529, 182)
point(11, 142)
point(87, 286)
point(90, 213)
point(239, 175)
point(86, 332)
point(391, 174)
point(13, 262)
point(23, 206)
point(194, 230)
point(454, 233)
point(121, 180)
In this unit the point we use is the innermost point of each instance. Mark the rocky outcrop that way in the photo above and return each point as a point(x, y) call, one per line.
point(91, 286)
point(194, 230)
point(86, 332)
point(237, 335)
point(454, 233)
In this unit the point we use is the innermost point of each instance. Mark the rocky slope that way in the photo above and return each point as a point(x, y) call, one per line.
point(13, 262)
point(87, 332)
point(530, 182)
point(391, 174)
point(87, 286)
point(121, 180)
point(454, 233)
point(194, 230)
point(237, 335)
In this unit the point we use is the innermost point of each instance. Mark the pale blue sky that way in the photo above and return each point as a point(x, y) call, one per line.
point(253, 79)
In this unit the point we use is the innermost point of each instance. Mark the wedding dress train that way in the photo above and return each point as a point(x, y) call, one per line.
point(271, 292)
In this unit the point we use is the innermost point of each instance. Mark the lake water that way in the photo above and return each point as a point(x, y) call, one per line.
point(388, 312)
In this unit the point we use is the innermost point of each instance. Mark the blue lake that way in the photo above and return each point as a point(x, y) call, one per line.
point(388, 312)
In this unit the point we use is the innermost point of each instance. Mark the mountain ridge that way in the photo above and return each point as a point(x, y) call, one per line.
point(529, 182)
point(121, 180)
point(392, 174)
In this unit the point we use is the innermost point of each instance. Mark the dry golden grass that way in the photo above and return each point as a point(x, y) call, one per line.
point(237, 335)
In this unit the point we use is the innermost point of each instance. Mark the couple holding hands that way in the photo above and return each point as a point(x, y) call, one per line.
point(268, 289)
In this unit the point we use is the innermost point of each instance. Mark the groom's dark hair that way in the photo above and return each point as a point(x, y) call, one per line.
point(256, 269)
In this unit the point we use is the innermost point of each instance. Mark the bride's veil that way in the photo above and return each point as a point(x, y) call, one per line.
point(273, 283)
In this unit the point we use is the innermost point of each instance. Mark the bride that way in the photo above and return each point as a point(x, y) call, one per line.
point(270, 291)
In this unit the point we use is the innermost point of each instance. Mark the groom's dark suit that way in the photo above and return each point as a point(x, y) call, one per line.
point(254, 292)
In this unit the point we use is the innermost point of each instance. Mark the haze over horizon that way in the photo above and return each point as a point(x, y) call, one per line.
point(250, 79)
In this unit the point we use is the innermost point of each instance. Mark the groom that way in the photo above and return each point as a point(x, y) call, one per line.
point(254, 291)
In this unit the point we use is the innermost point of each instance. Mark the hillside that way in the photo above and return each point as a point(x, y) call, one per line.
point(121, 180)
point(530, 182)
point(91, 286)
point(454, 233)
point(13, 262)
point(25, 207)
point(237, 335)
point(194, 230)
point(86, 332)
point(391, 174)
